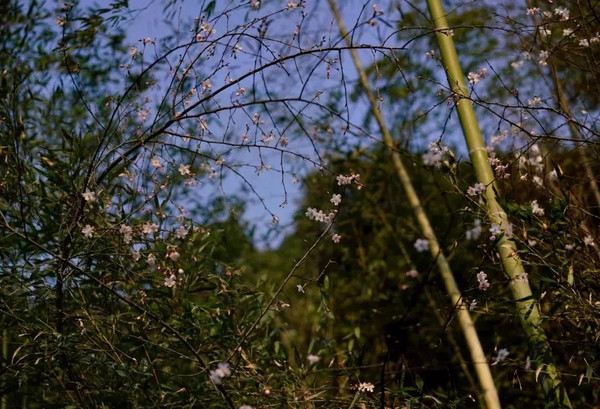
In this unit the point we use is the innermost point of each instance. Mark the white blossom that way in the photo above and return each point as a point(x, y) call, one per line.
point(267, 138)
point(521, 278)
point(143, 114)
point(170, 281)
point(148, 228)
point(319, 215)
point(543, 57)
point(536, 209)
point(476, 189)
point(562, 12)
point(173, 255)
point(484, 284)
point(184, 170)
point(433, 159)
point(155, 161)
point(126, 231)
point(181, 232)
point(346, 180)
point(436, 154)
point(517, 64)
point(421, 245)
point(221, 372)
point(501, 355)
point(412, 273)
point(89, 196)
point(312, 359)
point(544, 32)
point(495, 229)
point(366, 387)
point(88, 231)
point(499, 138)
point(475, 77)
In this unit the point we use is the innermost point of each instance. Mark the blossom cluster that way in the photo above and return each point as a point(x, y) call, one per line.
point(319, 215)
point(421, 245)
point(172, 276)
point(475, 77)
point(365, 387)
point(221, 372)
point(501, 355)
point(500, 170)
point(312, 359)
point(412, 273)
point(347, 180)
point(336, 199)
point(435, 155)
point(484, 284)
point(496, 229)
point(476, 189)
point(533, 162)
point(536, 209)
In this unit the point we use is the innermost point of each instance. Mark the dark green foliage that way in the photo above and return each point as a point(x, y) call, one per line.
point(138, 318)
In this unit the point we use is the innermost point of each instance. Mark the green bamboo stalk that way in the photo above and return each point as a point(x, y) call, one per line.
point(527, 306)
point(482, 369)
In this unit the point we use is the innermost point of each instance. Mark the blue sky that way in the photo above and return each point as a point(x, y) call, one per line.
point(317, 25)
point(150, 22)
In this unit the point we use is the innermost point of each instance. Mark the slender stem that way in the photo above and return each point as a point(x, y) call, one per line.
point(482, 368)
point(354, 400)
point(305, 257)
point(527, 306)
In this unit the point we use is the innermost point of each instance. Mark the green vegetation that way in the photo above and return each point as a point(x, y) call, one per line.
point(142, 260)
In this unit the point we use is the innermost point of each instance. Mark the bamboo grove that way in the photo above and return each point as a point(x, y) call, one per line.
point(271, 204)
